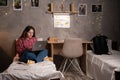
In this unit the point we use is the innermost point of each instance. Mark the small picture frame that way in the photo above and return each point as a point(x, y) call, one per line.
point(82, 10)
point(17, 5)
point(35, 3)
point(3, 2)
point(97, 8)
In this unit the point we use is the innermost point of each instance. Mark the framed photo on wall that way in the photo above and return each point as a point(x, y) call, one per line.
point(96, 8)
point(35, 3)
point(82, 10)
point(3, 2)
point(17, 5)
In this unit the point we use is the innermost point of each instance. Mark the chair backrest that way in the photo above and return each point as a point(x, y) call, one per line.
point(72, 47)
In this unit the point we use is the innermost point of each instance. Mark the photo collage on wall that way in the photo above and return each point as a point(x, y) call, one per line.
point(82, 7)
point(18, 4)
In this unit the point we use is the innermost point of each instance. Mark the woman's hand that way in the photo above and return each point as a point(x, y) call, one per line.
point(16, 58)
point(30, 49)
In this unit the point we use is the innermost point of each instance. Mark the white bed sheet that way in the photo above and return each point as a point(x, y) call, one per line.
point(45, 70)
point(103, 67)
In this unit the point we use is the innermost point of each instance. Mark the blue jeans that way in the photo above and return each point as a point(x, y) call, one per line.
point(37, 57)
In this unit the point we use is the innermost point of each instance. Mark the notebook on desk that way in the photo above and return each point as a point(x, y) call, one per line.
point(39, 45)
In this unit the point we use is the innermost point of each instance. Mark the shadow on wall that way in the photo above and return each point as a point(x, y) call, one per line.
point(5, 60)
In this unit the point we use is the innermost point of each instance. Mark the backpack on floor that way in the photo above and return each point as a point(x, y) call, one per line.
point(100, 44)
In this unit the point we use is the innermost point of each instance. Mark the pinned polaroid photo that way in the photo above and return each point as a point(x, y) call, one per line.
point(82, 10)
point(3, 2)
point(96, 8)
point(35, 3)
point(17, 5)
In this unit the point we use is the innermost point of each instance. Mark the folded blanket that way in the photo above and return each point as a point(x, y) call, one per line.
point(45, 70)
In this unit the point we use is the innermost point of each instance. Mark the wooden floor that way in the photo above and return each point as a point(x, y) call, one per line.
point(73, 75)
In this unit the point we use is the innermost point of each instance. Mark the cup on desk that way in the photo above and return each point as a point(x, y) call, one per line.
point(40, 39)
point(60, 40)
point(53, 39)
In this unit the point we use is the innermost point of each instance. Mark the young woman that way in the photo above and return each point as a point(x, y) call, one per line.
point(25, 44)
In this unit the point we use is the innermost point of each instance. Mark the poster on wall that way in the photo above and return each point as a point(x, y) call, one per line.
point(3, 2)
point(17, 5)
point(61, 20)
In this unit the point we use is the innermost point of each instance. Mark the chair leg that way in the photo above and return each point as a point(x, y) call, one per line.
point(64, 67)
point(67, 65)
point(77, 66)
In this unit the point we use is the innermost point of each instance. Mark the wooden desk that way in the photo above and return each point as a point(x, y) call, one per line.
point(56, 48)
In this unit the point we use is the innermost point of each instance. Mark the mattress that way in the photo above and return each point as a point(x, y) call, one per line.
point(45, 70)
point(103, 67)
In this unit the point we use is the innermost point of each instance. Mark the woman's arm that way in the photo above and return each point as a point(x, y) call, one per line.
point(20, 46)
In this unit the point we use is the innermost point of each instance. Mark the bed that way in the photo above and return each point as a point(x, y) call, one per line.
point(103, 67)
point(45, 70)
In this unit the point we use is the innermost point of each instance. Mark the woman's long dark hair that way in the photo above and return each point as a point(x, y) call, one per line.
point(27, 29)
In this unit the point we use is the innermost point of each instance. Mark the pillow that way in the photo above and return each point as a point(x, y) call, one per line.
point(109, 44)
point(112, 45)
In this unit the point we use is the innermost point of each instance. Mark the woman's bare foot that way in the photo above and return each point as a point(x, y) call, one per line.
point(30, 62)
point(46, 59)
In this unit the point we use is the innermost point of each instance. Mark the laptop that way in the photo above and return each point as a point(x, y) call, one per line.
point(39, 45)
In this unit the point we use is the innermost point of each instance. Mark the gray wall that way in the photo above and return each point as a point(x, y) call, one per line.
point(13, 22)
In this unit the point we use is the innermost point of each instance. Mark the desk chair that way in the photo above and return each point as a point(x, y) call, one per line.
point(72, 49)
